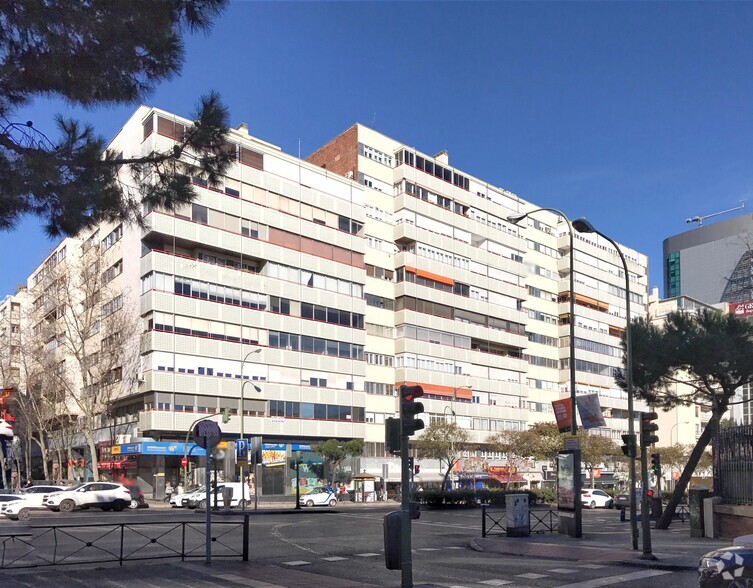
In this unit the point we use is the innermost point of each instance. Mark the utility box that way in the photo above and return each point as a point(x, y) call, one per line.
point(695, 504)
point(710, 522)
point(393, 528)
point(518, 518)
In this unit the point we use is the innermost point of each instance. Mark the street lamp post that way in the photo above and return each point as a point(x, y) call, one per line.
point(243, 418)
point(577, 482)
point(515, 219)
point(583, 226)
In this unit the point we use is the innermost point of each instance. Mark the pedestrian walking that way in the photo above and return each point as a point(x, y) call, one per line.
point(168, 491)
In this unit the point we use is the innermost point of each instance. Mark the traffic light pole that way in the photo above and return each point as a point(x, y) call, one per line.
point(406, 557)
point(645, 508)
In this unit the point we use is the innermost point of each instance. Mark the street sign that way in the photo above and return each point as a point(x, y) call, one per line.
point(183, 462)
point(207, 434)
point(241, 450)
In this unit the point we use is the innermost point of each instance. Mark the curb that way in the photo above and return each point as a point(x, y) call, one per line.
point(650, 564)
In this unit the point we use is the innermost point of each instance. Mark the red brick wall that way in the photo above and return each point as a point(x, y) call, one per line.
point(340, 155)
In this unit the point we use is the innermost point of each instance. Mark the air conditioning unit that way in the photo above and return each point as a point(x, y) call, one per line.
point(349, 174)
point(140, 377)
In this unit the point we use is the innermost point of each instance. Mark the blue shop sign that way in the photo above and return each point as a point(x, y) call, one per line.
point(161, 448)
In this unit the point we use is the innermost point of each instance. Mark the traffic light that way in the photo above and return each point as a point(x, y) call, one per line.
point(650, 493)
point(648, 429)
point(416, 469)
point(225, 415)
point(392, 435)
point(656, 464)
point(629, 448)
point(409, 408)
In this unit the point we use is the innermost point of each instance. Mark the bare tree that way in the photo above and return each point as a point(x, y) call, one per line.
point(88, 328)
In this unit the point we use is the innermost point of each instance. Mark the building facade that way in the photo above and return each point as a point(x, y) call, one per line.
point(712, 263)
point(328, 283)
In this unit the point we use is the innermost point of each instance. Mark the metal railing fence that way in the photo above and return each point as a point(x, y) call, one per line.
point(92, 543)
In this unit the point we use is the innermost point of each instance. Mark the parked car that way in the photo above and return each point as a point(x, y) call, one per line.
point(104, 495)
point(621, 500)
point(181, 500)
point(32, 499)
point(319, 496)
point(727, 567)
point(593, 498)
point(199, 499)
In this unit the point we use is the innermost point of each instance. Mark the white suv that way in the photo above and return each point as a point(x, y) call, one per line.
point(104, 495)
point(593, 497)
point(31, 499)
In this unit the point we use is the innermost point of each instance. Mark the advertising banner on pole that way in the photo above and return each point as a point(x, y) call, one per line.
point(590, 413)
point(562, 411)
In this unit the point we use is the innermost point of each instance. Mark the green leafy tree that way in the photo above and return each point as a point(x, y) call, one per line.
point(542, 442)
point(595, 450)
point(512, 445)
point(699, 359)
point(335, 452)
point(97, 53)
point(443, 441)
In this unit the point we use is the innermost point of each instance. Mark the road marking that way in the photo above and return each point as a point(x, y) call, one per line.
point(592, 566)
point(531, 576)
point(454, 547)
point(246, 581)
point(334, 558)
point(298, 562)
point(562, 571)
point(609, 580)
point(366, 554)
point(275, 532)
point(496, 582)
point(428, 549)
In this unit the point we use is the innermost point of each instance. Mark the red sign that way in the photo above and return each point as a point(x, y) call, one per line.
point(563, 409)
point(183, 462)
point(502, 470)
point(742, 309)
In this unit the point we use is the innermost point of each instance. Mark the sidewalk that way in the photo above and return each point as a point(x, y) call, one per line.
point(193, 574)
point(673, 548)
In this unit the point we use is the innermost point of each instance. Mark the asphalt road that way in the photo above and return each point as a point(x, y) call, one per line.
point(346, 544)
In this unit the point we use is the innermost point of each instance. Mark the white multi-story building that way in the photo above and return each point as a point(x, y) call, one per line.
point(367, 266)
point(482, 305)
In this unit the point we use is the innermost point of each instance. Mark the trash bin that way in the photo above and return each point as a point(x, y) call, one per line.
point(393, 528)
point(227, 496)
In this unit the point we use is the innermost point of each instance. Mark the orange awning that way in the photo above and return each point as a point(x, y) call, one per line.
point(430, 276)
point(446, 391)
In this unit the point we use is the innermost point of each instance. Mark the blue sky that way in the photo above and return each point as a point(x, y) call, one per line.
point(632, 114)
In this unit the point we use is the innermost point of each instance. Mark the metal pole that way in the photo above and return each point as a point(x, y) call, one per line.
point(629, 377)
point(645, 514)
point(515, 219)
point(406, 558)
point(298, 480)
point(243, 418)
point(207, 481)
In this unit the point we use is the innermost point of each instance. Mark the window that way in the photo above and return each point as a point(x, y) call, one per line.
point(114, 236)
point(199, 214)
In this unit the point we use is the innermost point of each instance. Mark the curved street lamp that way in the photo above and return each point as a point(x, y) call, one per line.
point(515, 219)
point(242, 413)
point(583, 226)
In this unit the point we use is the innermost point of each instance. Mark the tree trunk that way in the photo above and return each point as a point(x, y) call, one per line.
point(43, 449)
point(3, 455)
point(71, 471)
point(93, 453)
point(446, 475)
point(687, 473)
point(592, 477)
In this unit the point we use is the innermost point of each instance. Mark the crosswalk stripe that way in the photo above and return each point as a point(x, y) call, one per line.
point(609, 580)
point(334, 558)
point(298, 562)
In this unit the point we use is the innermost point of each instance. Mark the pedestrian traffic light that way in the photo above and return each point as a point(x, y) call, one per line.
point(629, 447)
point(392, 435)
point(650, 493)
point(225, 415)
point(409, 408)
point(648, 428)
point(416, 469)
point(656, 464)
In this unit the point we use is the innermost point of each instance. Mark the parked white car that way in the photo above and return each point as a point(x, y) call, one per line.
point(31, 499)
point(319, 496)
point(198, 499)
point(8, 499)
point(593, 498)
point(104, 495)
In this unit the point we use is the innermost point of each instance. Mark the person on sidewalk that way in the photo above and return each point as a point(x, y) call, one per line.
point(168, 491)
